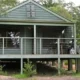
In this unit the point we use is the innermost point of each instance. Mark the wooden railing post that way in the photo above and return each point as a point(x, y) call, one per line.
point(21, 65)
point(21, 46)
point(75, 37)
point(3, 45)
point(40, 46)
point(58, 46)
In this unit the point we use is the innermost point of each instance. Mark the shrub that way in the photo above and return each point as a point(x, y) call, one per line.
point(20, 76)
point(63, 71)
point(28, 69)
point(1, 71)
point(66, 62)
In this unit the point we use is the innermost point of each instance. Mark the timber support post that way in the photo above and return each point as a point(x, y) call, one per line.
point(34, 39)
point(69, 64)
point(21, 65)
point(59, 64)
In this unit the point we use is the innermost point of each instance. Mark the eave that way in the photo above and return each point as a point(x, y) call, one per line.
point(36, 21)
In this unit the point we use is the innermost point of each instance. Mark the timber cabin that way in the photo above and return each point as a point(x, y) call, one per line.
point(31, 31)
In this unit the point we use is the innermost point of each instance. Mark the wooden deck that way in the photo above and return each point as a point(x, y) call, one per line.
point(16, 56)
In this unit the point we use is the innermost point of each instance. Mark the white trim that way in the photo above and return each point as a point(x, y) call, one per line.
point(43, 24)
point(32, 20)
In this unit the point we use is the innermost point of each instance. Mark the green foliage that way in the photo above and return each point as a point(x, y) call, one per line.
point(51, 3)
point(20, 76)
point(47, 3)
point(73, 61)
point(58, 7)
point(65, 72)
point(66, 62)
point(61, 11)
point(62, 71)
point(76, 75)
point(28, 69)
point(7, 4)
point(1, 71)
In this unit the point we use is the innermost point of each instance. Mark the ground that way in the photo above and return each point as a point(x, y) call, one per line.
point(42, 78)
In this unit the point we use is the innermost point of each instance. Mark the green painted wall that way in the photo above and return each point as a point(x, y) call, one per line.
point(27, 43)
point(20, 13)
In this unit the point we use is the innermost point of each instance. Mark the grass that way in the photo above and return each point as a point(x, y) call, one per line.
point(76, 75)
point(20, 76)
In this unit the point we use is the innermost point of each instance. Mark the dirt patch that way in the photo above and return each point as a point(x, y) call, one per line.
point(6, 78)
point(41, 78)
point(55, 78)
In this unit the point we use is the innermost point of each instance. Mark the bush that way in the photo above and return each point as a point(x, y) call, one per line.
point(66, 62)
point(63, 71)
point(20, 76)
point(1, 71)
point(28, 69)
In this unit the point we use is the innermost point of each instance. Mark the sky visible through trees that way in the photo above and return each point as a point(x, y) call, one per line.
point(77, 2)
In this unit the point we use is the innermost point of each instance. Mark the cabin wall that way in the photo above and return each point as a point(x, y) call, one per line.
point(20, 13)
point(38, 34)
point(27, 43)
point(69, 32)
point(42, 33)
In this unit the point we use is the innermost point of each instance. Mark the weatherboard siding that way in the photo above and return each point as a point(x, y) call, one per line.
point(27, 43)
point(21, 13)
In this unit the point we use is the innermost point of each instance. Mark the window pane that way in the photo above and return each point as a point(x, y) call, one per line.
point(30, 10)
point(33, 14)
point(28, 14)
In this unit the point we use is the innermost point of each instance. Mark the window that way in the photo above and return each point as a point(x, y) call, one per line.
point(30, 11)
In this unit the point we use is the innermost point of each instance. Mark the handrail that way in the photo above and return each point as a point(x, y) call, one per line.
point(38, 38)
point(57, 41)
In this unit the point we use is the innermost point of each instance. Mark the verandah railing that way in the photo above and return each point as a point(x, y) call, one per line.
point(25, 45)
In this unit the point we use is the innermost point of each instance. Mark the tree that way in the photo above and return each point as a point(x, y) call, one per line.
point(51, 3)
point(7, 4)
point(72, 9)
point(58, 7)
point(61, 11)
point(75, 12)
point(46, 3)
